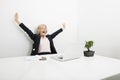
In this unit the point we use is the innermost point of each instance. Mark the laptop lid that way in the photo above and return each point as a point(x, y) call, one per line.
point(72, 51)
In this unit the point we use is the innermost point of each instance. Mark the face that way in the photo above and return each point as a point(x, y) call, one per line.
point(42, 30)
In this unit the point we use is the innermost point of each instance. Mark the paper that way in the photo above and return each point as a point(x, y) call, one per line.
point(35, 58)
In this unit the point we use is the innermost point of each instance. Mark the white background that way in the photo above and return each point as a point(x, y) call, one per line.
point(97, 20)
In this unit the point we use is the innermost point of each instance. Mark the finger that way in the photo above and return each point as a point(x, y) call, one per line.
point(16, 14)
point(63, 24)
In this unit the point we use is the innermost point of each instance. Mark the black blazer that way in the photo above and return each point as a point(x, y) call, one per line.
point(36, 39)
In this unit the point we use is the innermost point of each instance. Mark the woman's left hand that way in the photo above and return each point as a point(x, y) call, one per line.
point(63, 26)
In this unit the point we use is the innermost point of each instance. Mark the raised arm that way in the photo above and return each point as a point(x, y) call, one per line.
point(29, 32)
point(53, 35)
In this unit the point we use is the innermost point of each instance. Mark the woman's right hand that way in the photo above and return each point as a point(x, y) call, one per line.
point(17, 18)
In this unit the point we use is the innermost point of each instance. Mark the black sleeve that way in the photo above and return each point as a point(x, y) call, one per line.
point(29, 32)
point(53, 35)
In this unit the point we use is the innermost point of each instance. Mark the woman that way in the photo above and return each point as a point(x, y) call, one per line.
point(43, 44)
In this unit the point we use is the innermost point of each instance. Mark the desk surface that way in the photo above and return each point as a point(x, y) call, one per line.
point(84, 68)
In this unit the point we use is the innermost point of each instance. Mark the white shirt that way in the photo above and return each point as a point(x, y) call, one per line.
point(44, 45)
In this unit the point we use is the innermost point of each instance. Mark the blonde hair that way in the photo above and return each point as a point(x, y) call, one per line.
point(39, 26)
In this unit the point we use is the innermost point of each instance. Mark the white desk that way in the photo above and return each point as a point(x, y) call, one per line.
point(84, 68)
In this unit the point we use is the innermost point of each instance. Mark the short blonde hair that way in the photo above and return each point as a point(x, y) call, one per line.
point(39, 26)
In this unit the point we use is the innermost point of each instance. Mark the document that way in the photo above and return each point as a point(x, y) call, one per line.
point(35, 58)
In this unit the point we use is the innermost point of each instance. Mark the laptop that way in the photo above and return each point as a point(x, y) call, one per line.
point(73, 51)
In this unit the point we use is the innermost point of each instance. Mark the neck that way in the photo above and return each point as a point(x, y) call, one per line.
point(42, 36)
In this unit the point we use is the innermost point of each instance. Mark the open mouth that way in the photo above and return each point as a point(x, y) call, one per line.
point(43, 31)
